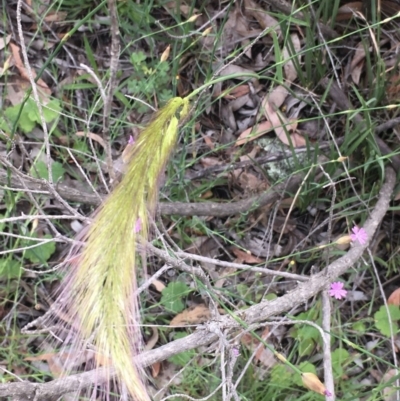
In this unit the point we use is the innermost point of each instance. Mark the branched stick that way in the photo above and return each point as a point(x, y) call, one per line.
point(257, 313)
point(239, 266)
point(166, 208)
point(115, 47)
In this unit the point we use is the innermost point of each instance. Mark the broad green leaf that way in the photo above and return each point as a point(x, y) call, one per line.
point(382, 319)
point(30, 116)
point(138, 58)
point(172, 296)
point(307, 336)
point(2, 225)
point(359, 326)
point(24, 122)
point(57, 170)
point(40, 253)
point(281, 375)
point(10, 268)
point(339, 357)
point(243, 291)
point(306, 346)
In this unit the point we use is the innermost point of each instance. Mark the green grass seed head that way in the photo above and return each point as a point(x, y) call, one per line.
point(105, 281)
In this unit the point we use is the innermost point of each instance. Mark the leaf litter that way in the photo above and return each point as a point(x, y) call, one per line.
point(244, 113)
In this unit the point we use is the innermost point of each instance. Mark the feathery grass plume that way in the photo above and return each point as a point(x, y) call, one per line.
point(100, 287)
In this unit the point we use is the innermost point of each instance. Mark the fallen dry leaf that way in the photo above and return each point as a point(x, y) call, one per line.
point(16, 91)
point(252, 133)
point(274, 100)
point(281, 125)
point(56, 16)
point(235, 29)
point(158, 285)
point(289, 66)
point(210, 162)
point(207, 195)
point(393, 88)
point(246, 257)
point(233, 69)
point(389, 392)
point(277, 96)
point(263, 18)
point(152, 341)
point(94, 137)
point(224, 273)
point(53, 360)
point(348, 10)
point(263, 354)
point(237, 91)
point(357, 63)
point(248, 181)
point(58, 360)
point(394, 298)
point(198, 314)
point(208, 141)
point(155, 369)
point(43, 89)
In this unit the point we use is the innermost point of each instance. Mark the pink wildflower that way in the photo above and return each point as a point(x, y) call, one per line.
point(359, 234)
point(337, 290)
point(131, 141)
point(138, 225)
point(235, 352)
point(327, 393)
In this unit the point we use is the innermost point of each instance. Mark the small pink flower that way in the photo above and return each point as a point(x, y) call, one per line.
point(337, 290)
point(327, 393)
point(131, 141)
point(138, 225)
point(359, 234)
point(235, 352)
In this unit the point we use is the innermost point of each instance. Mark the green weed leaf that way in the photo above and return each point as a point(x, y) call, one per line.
point(382, 319)
point(172, 296)
point(360, 327)
point(10, 268)
point(57, 170)
point(2, 225)
point(281, 376)
point(30, 116)
point(138, 58)
point(24, 122)
point(41, 253)
point(307, 336)
point(150, 76)
point(339, 358)
point(163, 69)
point(243, 291)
